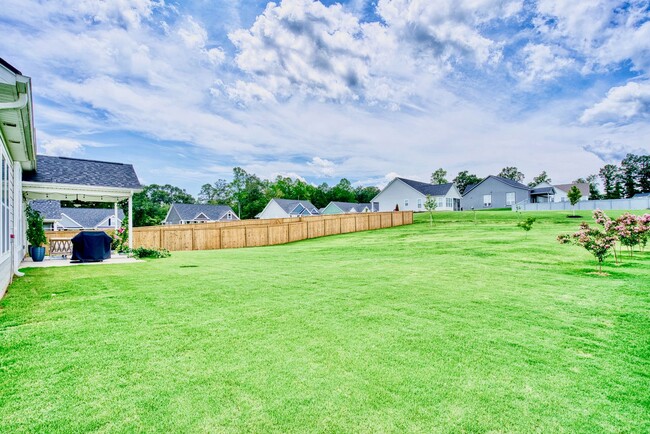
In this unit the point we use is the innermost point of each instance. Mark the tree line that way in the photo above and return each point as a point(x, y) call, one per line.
point(247, 194)
point(619, 181)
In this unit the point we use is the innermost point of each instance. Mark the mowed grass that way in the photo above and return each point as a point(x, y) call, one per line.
point(461, 327)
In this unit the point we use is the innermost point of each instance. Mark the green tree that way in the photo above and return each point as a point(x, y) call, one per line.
point(464, 178)
point(439, 176)
point(527, 224)
point(430, 205)
point(629, 173)
point(574, 196)
point(365, 194)
point(542, 177)
point(342, 192)
point(216, 194)
point(150, 206)
point(511, 172)
point(249, 193)
point(612, 184)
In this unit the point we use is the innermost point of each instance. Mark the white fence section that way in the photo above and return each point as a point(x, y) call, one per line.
point(617, 204)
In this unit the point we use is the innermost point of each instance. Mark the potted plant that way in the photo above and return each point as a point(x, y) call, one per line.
point(35, 235)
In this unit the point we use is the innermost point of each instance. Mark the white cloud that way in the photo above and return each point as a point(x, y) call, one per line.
point(322, 167)
point(543, 63)
point(611, 152)
point(61, 147)
point(622, 104)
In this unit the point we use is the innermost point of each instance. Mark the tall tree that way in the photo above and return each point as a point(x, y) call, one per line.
point(542, 177)
point(250, 193)
point(464, 178)
point(342, 192)
point(594, 192)
point(511, 172)
point(629, 172)
point(365, 194)
point(218, 193)
point(612, 185)
point(150, 206)
point(439, 176)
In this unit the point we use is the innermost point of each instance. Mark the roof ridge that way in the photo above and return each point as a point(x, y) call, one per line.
point(86, 159)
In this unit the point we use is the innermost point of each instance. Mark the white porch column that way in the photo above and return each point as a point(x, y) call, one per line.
point(131, 220)
point(115, 222)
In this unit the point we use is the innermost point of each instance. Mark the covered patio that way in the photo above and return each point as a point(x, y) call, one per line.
point(83, 181)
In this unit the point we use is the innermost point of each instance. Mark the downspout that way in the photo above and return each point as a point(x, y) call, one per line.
point(19, 104)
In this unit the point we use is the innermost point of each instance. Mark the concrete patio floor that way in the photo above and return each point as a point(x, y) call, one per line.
point(58, 261)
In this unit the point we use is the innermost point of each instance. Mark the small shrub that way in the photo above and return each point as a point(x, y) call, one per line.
point(527, 224)
point(597, 242)
point(143, 252)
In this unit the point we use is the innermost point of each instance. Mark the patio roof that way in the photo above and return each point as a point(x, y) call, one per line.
point(63, 178)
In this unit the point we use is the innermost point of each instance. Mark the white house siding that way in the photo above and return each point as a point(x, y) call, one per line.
point(398, 192)
point(10, 249)
point(273, 211)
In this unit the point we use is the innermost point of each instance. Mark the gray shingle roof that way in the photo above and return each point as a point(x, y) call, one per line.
point(506, 181)
point(348, 206)
point(582, 186)
point(64, 170)
point(49, 209)
point(91, 217)
point(642, 195)
point(543, 190)
point(428, 189)
point(188, 211)
point(289, 205)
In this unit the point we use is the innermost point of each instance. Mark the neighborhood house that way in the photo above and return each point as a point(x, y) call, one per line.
point(408, 195)
point(186, 213)
point(56, 218)
point(347, 208)
point(494, 192)
point(285, 208)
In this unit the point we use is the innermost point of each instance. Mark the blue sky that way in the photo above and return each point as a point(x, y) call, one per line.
point(361, 89)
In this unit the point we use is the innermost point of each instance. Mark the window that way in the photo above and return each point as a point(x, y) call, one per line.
point(510, 198)
point(487, 200)
point(450, 202)
point(406, 203)
point(5, 201)
point(440, 201)
point(228, 216)
point(419, 203)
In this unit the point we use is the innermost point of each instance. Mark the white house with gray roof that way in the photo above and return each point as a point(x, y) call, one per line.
point(409, 195)
point(26, 176)
point(285, 208)
point(192, 213)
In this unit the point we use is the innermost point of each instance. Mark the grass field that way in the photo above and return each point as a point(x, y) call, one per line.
point(463, 327)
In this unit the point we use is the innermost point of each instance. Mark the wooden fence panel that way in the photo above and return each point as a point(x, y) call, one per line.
point(232, 238)
point(178, 239)
point(297, 231)
point(374, 221)
point(348, 224)
point(315, 228)
point(332, 226)
point(398, 219)
point(386, 220)
point(361, 222)
point(278, 234)
point(207, 239)
point(257, 236)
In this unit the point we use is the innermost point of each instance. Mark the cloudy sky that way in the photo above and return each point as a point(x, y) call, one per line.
point(363, 89)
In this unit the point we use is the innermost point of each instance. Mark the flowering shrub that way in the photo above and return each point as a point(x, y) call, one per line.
point(597, 242)
point(632, 230)
point(121, 239)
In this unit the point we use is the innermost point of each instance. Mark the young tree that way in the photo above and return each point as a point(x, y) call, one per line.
point(527, 224)
point(511, 172)
point(430, 205)
point(542, 177)
point(463, 179)
point(439, 176)
point(574, 196)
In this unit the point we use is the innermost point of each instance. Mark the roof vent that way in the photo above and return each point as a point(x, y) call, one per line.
point(9, 124)
point(15, 142)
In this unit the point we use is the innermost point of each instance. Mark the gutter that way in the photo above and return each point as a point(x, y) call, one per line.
point(19, 104)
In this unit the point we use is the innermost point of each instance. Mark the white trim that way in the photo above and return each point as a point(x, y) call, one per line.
point(165, 221)
point(71, 219)
point(72, 190)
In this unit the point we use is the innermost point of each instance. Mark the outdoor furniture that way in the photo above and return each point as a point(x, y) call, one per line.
point(60, 246)
point(91, 247)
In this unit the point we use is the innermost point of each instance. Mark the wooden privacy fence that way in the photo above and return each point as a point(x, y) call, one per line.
point(58, 242)
point(255, 233)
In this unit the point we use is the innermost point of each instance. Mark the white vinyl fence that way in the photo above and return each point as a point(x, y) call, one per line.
point(606, 204)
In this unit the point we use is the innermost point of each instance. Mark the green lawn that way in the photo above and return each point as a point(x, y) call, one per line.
point(463, 327)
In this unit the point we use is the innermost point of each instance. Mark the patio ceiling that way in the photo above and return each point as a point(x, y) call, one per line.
point(85, 193)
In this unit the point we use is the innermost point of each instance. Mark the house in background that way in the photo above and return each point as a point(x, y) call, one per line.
point(50, 210)
point(285, 208)
point(346, 208)
point(409, 195)
point(190, 213)
point(89, 219)
point(641, 195)
point(495, 192)
point(545, 192)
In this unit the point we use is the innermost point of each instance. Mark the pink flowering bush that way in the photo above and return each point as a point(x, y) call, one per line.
point(595, 241)
point(632, 230)
point(121, 238)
